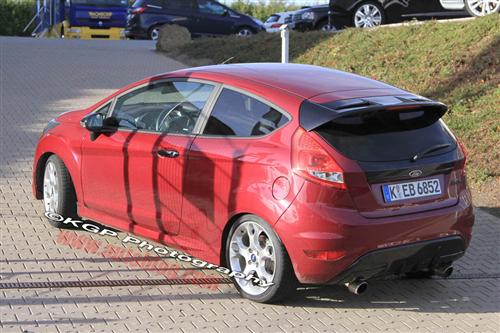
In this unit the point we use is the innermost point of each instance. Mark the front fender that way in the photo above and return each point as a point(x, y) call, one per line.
point(67, 147)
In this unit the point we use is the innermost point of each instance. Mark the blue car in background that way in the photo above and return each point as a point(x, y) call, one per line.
point(200, 17)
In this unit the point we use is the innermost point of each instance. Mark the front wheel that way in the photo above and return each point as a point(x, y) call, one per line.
point(368, 15)
point(255, 250)
point(324, 26)
point(58, 192)
point(482, 7)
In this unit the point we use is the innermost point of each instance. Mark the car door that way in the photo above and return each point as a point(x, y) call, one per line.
point(136, 174)
point(230, 164)
point(179, 12)
point(403, 10)
point(212, 18)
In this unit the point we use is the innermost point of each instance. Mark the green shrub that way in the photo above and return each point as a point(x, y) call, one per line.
point(262, 10)
point(14, 15)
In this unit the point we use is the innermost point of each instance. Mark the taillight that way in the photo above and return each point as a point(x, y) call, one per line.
point(138, 10)
point(461, 163)
point(311, 161)
point(464, 151)
point(276, 25)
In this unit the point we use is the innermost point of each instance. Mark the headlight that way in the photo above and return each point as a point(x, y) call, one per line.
point(308, 16)
point(53, 123)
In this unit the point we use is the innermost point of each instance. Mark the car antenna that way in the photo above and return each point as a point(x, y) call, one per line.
point(227, 60)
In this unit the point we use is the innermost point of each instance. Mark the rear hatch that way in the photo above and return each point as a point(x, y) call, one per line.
point(408, 159)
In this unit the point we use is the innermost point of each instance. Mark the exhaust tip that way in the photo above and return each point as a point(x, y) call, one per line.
point(357, 287)
point(444, 271)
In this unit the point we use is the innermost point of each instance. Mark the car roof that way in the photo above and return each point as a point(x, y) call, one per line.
point(306, 81)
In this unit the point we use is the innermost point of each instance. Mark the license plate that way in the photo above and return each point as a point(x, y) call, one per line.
point(417, 189)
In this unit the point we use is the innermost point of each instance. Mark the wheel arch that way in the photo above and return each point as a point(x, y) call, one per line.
point(225, 234)
point(227, 228)
point(321, 21)
point(52, 145)
point(355, 4)
point(242, 26)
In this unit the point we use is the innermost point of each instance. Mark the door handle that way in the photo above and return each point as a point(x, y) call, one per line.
point(171, 153)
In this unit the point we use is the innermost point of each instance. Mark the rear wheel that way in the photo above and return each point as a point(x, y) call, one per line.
point(58, 192)
point(482, 7)
point(367, 15)
point(154, 33)
point(244, 32)
point(254, 249)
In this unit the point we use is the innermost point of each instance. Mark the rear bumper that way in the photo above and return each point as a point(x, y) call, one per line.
point(136, 31)
point(114, 33)
point(312, 225)
point(425, 255)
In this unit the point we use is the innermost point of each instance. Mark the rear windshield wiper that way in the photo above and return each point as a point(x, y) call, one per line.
point(430, 150)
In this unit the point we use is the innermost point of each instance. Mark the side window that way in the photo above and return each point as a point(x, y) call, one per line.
point(210, 7)
point(178, 4)
point(236, 114)
point(104, 110)
point(170, 106)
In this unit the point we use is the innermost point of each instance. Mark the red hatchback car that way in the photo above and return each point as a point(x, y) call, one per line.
point(291, 173)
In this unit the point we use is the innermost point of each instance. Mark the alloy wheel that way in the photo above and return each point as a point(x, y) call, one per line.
point(483, 7)
point(367, 16)
point(155, 33)
point(327, 28)
point(252, 252)
point(50, 188)
point(245, 32)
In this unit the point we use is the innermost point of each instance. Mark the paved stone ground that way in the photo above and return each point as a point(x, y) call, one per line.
point(42, 78)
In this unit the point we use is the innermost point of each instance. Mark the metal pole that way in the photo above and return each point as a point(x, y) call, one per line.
point(285, 42)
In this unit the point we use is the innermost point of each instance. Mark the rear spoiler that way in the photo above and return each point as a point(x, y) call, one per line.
point(312, 115)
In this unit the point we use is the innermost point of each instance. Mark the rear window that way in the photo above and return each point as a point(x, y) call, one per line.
point(386, 135)
point(273, 18)
point(236, 114)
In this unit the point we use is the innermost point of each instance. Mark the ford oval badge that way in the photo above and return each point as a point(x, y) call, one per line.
point(415, 173)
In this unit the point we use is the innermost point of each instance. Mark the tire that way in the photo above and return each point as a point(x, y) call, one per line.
point(478, 8)
point(58, 192)
point(324, 26)
point(245, 32)
point(239, 250)
point(368, 14)
point(154, 32)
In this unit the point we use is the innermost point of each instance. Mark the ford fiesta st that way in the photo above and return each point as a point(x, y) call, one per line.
point(289, 173)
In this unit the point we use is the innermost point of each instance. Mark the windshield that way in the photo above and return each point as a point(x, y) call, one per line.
point(101, 3)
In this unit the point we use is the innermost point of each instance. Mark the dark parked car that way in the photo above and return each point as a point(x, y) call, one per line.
point(311, 18)
point(200, 17)
point(370, 13)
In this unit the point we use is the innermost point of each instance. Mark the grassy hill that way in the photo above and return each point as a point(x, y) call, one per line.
point(454, 62)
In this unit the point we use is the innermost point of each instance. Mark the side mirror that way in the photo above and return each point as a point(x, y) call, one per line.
point(94, 122)
point(97, 124)
point(225, 12)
